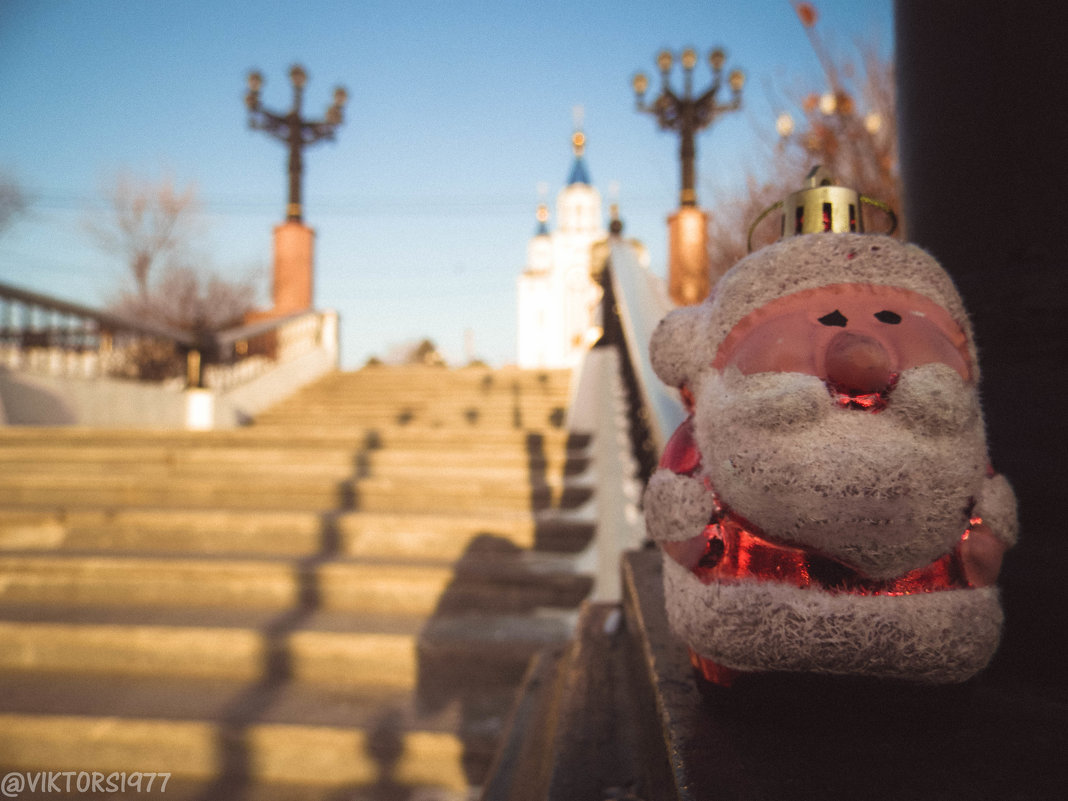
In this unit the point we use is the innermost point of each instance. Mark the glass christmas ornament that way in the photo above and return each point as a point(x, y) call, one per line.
point(847, 500)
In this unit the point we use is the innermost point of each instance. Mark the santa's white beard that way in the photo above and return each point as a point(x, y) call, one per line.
point(884, 492)
point(752, 625)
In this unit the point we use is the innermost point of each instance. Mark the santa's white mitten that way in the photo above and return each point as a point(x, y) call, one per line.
point(677, 507)
point(997, 507)
point(992, 532)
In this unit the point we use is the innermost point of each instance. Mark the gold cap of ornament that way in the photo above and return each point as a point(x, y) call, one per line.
point(821, 206)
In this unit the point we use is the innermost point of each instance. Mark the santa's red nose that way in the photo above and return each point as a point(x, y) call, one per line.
point(857, 364)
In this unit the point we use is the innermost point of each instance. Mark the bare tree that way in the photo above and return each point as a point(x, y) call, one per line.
point(13, 201)
point(849, 126)
point(189, 299)
point(146, 223)
point(154, 227)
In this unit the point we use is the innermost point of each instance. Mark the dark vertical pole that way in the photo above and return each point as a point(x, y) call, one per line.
point(294, 209)
point(984, 153)
point(687, 156)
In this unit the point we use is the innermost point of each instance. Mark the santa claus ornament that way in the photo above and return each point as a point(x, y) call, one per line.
point(828, 505)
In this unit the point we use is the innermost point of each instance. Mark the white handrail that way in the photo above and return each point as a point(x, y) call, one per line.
point(643, 301)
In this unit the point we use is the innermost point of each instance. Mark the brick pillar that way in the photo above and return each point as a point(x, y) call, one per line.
point(294, 246)
point(688, 265)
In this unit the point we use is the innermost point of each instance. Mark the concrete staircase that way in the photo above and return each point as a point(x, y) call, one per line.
point(338, 601)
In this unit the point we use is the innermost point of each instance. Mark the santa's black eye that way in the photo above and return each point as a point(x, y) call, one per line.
point(834, 318)
point(888, 317)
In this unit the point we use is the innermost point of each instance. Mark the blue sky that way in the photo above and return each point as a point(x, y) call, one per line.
point(423, 206)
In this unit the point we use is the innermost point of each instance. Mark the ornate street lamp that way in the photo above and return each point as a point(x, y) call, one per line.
point(291, 129)
point(689, 278)
point(685, 113)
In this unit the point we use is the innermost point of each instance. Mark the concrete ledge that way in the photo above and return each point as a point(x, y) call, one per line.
point(621, 714)
point(793, 736)
point(45, 400)
point(583, 726)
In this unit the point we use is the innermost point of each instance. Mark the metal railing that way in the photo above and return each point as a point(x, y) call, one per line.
point(44, 335)
point(243, 353)
point(641, 301)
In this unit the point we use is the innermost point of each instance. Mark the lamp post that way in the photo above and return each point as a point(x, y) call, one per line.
point(294, 131)
point(294, 242)
point(688, 263)
point(685, 113)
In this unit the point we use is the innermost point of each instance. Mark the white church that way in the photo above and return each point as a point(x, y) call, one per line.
point(558, 297)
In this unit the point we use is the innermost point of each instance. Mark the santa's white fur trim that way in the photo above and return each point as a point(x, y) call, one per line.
point(676, 507)
point(939, 637)
point(997, 507)
point(679, 346)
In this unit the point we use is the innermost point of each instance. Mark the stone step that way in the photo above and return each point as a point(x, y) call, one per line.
point(513, 583)
point(201, 456)
point(177, 447)
point(438, 492)
point(368, 403)
point(339, 600)
point(148, 454)
point(469, 438)
point(418, 379)
point(422, 469)
point(470, 419)
point(379, 403)
point(288, 533)
point(387, 405)
point(381, 494)
point(103, 491)
point(429, 383)
point(400, 464)
point(242, 736)
point(80, 437)
point(317, 647)
point(437, 385)
point(400, 394)
point(463, 419)
point(329, 436)
point(553, 460)
point(150, 470)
